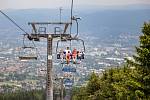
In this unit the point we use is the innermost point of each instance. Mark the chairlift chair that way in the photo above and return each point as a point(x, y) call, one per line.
point(71, 39)
point(27, 52)
point(69, 69)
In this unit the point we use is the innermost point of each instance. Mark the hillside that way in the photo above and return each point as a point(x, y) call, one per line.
point(96, 22)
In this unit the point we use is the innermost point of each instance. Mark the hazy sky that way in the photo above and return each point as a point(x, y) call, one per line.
point(26, 4)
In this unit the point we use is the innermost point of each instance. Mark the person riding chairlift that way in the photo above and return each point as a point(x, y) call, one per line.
point(67, 49)
point(68, 55)
point(82, 57)
point(74, 55)
point(79, 55)
point(61, 55)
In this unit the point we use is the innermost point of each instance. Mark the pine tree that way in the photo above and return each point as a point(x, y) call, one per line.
point(93, 84)
point(142, 58)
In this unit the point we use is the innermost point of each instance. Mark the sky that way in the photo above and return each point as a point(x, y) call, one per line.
point(27, 4)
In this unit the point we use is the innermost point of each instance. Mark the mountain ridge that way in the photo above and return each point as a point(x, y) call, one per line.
point(97, 22)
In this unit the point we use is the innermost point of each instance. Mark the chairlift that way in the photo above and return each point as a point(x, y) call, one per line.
point(74, 62)
point(69, 69)
point(27, 52)
point(68, 81)
point(67, 75)
point(70, 39)
point(79, 54)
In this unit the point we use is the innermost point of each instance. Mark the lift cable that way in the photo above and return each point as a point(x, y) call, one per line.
point(13, 22)
point(20, 29)
point(71, 11)
point(71, 17)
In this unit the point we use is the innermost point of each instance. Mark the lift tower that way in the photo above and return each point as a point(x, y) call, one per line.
point(35, 36)
point(49, 37)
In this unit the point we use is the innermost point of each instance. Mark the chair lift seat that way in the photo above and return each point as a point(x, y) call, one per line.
point(69, 69)
point(28, 58)
point(65, 62)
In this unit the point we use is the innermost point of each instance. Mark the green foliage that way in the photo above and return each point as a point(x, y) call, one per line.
point(142, 58)
point(131, 82)
point(114, 84)
point(24, 95)
point(93, 84)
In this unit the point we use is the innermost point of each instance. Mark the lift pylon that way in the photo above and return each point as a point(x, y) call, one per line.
point(49, 37)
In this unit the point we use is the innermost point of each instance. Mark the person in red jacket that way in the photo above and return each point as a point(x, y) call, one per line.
point(68, 55)
point(74, 55)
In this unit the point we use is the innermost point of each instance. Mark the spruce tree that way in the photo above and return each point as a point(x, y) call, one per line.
point(142, 58)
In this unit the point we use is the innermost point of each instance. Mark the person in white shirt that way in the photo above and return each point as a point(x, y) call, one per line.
point(68, 55)
point(67, 50)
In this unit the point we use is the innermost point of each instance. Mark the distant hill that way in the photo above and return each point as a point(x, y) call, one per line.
point(113, 22)
point(98, 22)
